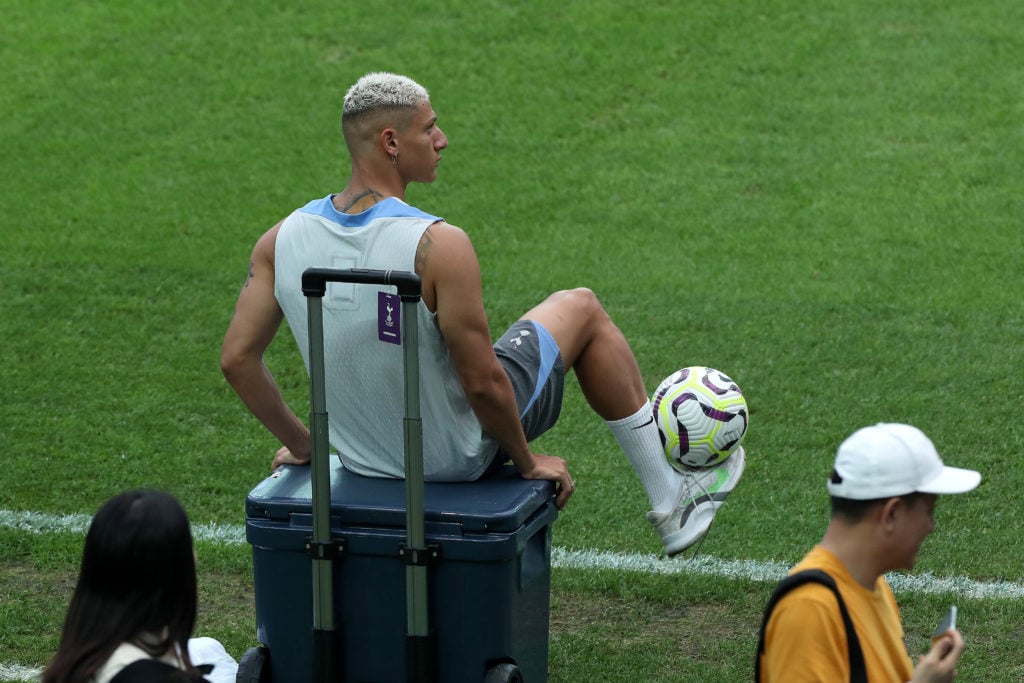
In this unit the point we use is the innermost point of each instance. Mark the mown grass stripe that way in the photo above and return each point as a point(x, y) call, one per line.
point(754, 570)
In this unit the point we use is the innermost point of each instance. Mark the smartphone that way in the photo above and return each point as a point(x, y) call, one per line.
point(948, 622)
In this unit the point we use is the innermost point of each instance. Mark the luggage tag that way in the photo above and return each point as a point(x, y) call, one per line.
point(389, 318)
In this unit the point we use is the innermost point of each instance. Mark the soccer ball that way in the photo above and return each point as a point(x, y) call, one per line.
point(701, 416)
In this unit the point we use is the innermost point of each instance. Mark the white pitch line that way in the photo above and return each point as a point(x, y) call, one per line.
point(655, 564)
point(754, 570)
point(45, 523)
point(16, 672)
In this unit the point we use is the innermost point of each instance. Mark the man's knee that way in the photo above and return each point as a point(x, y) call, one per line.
point(582, 299)
point(572, 316)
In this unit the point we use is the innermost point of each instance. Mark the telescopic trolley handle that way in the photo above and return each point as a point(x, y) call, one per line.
point(420, 664)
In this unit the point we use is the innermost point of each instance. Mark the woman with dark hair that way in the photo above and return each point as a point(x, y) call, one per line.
point(134, 607)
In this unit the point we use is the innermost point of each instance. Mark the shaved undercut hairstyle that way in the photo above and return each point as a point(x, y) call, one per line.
point(379, 91)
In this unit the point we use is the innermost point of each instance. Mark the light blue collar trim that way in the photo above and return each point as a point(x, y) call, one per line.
point(392, 207)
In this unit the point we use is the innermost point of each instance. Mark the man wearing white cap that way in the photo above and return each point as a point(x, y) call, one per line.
point(884, 487)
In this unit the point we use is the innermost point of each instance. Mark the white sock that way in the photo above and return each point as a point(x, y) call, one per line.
point(637, 435)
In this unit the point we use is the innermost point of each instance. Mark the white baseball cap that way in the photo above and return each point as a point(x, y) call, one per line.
point(888, 460)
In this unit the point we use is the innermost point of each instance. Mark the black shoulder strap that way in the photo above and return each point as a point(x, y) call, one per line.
point(151, 671)
point(145, 670)
point(858, 672)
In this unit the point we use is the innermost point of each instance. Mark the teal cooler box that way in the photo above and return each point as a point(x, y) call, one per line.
point(488, 586)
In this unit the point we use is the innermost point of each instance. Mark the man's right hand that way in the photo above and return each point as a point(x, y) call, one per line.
point(939, 665)
point(286, 457)
point(553, 468)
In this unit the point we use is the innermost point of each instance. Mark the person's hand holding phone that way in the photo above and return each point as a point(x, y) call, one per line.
point(948, 622)
point(939, 665)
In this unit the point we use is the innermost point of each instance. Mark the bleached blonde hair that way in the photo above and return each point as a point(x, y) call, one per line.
point(382, 90)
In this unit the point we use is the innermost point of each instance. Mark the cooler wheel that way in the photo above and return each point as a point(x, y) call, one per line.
point(506, 672)
point(254, 666)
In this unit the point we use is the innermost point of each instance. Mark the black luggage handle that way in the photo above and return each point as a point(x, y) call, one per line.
point(314, 280)
point(420, 646)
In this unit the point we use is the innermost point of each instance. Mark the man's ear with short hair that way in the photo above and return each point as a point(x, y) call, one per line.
point(388, 141)
point(890, 510)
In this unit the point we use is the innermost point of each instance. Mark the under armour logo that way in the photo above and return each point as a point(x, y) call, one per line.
point(518, 341)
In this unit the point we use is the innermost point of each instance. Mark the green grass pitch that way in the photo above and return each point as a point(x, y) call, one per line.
point(822, 200)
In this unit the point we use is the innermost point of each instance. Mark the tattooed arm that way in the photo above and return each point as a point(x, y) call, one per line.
point(256, 321)
point(450, 271)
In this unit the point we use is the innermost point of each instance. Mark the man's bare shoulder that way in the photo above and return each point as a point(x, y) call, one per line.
point(447, 231)
point(442, 245)
point(446, 262)
point(265, 244)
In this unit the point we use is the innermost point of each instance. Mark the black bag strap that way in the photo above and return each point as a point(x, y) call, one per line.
point(153, 671)
point(858, 672)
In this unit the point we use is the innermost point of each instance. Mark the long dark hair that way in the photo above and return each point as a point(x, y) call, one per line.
point(138, 577)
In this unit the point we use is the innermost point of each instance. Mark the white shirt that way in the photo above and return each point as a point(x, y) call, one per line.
point(200, 650)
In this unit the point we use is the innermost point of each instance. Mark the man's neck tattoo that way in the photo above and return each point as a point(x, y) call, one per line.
point(370, 192)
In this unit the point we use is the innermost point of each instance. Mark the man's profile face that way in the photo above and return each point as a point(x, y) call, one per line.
point(420, 144)
point(916, 521)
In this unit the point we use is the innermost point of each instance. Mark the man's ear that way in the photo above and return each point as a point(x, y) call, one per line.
point(388, 141)
point(891, 510)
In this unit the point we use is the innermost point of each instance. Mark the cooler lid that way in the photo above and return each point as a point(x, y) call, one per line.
point(500, 503)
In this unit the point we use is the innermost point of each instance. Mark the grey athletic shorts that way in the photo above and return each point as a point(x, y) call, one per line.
point(534, 365)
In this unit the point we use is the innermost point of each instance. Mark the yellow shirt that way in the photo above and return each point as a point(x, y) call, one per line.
point(805, 641)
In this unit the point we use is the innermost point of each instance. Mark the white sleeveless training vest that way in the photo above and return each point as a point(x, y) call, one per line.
point(363, 366)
